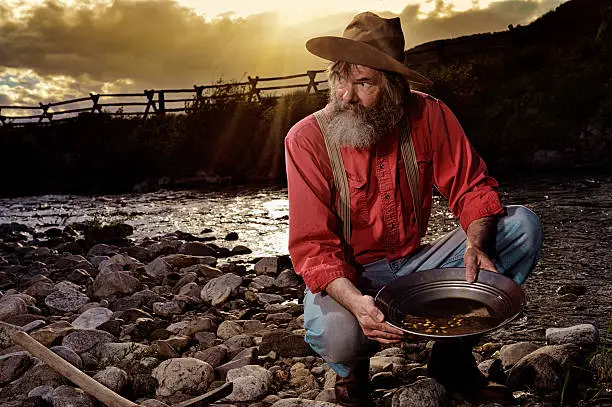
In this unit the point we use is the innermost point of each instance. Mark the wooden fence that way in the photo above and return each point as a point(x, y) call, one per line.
point(158, 102)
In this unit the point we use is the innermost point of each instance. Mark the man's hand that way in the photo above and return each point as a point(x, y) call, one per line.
point(480, 241)
point(476, 259)
point(370, 318)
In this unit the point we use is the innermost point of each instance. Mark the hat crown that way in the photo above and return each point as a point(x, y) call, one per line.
point(382, 33)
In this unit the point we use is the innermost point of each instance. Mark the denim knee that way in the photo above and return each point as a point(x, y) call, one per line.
point(343, 339)
point(528, 225)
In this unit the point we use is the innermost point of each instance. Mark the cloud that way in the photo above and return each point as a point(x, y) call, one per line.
point(133, 45)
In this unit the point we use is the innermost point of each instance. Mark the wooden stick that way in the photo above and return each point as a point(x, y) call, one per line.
point(64, 368)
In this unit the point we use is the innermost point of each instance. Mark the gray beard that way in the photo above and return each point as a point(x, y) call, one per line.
point(359, 127)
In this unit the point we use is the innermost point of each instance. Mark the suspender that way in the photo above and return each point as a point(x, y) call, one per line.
point(340, 181)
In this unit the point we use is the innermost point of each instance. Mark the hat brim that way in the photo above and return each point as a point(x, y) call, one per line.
point(360, 53)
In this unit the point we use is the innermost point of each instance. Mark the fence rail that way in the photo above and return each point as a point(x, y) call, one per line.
point(156, 101)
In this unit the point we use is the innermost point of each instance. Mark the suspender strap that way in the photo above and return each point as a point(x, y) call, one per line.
point(340, 181)
point(412, 173)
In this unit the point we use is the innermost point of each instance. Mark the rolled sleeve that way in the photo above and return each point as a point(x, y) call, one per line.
point(460, 174)
point(314, 245)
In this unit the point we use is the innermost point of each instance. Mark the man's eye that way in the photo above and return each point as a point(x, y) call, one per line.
point(365, 84)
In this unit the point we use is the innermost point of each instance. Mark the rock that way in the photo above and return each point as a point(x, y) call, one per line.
point(219, 289)
point(231, 236)
point(535, 371)
point(301, 378)
point(68, 396)
point(39, 375)
point(167, 309)
point(269, 298)
point(86, 340)
point(188, 375)
point(66, 297)
point(45, 392)
point(52, 333)
point(12, 305)
point(143, 385)
point(251, 382)
point(381, 363)
point(153, 403)
point(204, 271)
point(102, 249)
point(288, 278)
point(92, 318)
point(68, 355)
point(214, 355)
point(576, 289)
point(197, 249)
point(583, 334)
point(510, 354)
point(141, 299)
point(227, 329)
point(422, 393)
point(298, 402)
point(13, 365)
point(122, 353)
point(279, 318)
point(267, 265)
point(159, 268)
point(115, 284)
point(114, 378)
point(238, 342)
point(41, 288)
point(241, 249)
point(285, 344)
point(200, 324)
point(263, 282)
point(6, 330)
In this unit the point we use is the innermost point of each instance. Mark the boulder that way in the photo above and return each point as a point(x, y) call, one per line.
point(187, 375)
point(11, 305)
point(219, 289)
point(285, 344)
point(251, 382)
point(86, 340)
point(67, 297)
point(114, 378)
point(422, 393)
point(68, 396)
point(13, 365)
point(510, 354)
point(583, 334)
point(92, 318)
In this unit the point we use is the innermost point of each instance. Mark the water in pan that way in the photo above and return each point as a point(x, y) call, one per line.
point(450, 316)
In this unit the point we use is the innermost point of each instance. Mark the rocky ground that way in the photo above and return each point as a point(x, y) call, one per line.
point(168, 318)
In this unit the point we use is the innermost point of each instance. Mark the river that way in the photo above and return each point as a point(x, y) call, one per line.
point(576, 214)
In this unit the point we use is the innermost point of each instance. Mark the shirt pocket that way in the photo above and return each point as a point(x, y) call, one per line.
point(358, 194)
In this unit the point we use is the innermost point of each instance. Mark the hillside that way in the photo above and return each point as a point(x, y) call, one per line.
point(538, 96)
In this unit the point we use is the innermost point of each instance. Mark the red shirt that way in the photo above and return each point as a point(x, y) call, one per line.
point(382, 215)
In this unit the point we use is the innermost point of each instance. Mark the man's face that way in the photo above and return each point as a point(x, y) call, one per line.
point(362, 86)
point(361, 111)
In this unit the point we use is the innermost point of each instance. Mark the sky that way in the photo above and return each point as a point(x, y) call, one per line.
point(53, 50)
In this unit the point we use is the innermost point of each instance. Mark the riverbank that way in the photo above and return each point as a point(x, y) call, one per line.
point(167, 308)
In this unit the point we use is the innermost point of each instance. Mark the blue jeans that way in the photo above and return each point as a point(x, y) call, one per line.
point(334, 333)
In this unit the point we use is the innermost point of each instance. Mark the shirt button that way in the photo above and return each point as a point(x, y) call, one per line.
point(381, 166)
point(387, 196)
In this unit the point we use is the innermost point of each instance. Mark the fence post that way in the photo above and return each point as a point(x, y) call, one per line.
point(162, 103)
point(151, 102)
point(45, 113)
point(254, 91)
point(95, 98)
point(312, 84)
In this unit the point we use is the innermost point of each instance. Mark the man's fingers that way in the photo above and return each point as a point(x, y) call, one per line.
point(375, 333)
point(471, 268)
point(487, 264)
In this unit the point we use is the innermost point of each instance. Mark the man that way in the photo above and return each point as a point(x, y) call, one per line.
point(371, 109)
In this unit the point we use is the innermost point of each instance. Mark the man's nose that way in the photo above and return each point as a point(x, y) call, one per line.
point(348, 94)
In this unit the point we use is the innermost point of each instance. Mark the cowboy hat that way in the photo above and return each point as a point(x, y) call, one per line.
point(371, 41)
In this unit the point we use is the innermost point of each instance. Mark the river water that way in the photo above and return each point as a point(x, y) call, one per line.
point(576, 214)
